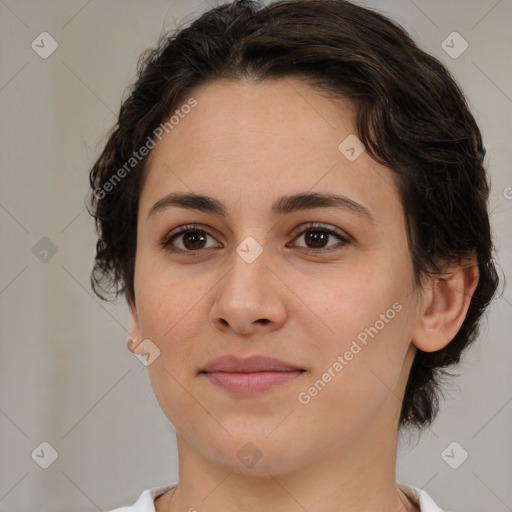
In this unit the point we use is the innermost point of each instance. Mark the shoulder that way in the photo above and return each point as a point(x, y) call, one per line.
point(420, 497)
point(146, 501)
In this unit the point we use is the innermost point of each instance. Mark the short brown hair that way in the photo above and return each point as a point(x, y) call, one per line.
point(411, 116)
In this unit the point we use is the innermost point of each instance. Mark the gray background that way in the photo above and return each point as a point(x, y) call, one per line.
point(66, 376)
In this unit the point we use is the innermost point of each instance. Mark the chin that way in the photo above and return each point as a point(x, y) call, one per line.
point(257, 454)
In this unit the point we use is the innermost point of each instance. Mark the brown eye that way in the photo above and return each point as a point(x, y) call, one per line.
point(317, 236)
point(192, 239)
point(186, 239)
point(316, 239)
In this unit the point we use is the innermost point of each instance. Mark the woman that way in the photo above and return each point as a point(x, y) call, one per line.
point(294, 205)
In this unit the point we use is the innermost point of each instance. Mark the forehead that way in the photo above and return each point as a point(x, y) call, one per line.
point(237, 116)
point(259, 140)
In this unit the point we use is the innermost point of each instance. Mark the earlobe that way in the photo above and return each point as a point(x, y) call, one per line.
point(135, 341)
point(445, 306)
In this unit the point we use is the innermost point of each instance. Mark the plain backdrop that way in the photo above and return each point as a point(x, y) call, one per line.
point(66, 376)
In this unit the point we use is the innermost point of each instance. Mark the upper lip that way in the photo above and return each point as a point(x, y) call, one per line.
point(234, 364)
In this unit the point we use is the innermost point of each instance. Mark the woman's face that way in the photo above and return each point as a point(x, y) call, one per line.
point(336, 301)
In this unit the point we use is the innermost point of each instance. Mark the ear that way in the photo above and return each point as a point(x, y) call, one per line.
point(135, 342)
point(444, 305)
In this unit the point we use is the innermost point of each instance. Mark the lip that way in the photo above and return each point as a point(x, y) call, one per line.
point(250, 364)
point(251, 375)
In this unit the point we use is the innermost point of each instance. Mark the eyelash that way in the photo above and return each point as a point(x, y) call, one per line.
point(193, 228)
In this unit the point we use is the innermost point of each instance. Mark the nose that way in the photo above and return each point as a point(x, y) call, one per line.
point(250, 298)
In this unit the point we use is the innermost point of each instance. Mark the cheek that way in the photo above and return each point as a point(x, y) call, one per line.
point(366, 319)
point(172, 312)
point(165, 296)
point(367, 332)
point(169, 311)
point(356, 298)
point(360, 369)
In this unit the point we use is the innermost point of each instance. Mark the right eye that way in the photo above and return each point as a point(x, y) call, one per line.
point(191, 237)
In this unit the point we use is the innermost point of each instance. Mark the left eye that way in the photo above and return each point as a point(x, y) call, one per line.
point(315, 236)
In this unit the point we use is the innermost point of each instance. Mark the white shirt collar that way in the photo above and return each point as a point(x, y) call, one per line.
point(146, 501)
point(420, 497)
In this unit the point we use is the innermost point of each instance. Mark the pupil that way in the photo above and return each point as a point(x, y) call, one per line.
point(194, 237)
point(319, 236)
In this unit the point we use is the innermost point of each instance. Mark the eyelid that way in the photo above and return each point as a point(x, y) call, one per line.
point(310, 226)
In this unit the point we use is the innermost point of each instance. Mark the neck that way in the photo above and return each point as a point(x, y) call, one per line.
point(356, 476)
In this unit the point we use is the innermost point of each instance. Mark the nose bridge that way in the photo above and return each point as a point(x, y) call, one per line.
point(248, 279)
point(247, 295)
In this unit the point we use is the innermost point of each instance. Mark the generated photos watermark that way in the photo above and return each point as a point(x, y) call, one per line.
point(304, 397)
point(143, 151)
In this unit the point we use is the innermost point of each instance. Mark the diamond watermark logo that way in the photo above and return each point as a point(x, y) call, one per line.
point(249, 249)
point(45, 455)
point(351, 147)
point(44, 45)
point(44, 250)
point(454, 45)
point(249, 455)
point(146, 352)
point(454, 455)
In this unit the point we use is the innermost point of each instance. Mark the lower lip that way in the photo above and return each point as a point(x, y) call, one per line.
point(251, 383)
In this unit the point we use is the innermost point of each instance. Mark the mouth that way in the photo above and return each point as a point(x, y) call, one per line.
point(250, 383)
point(249, 376)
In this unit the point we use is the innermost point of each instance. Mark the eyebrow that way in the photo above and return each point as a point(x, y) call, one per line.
point(283, 205)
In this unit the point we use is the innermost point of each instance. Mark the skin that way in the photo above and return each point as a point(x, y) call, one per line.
point(247, 144)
